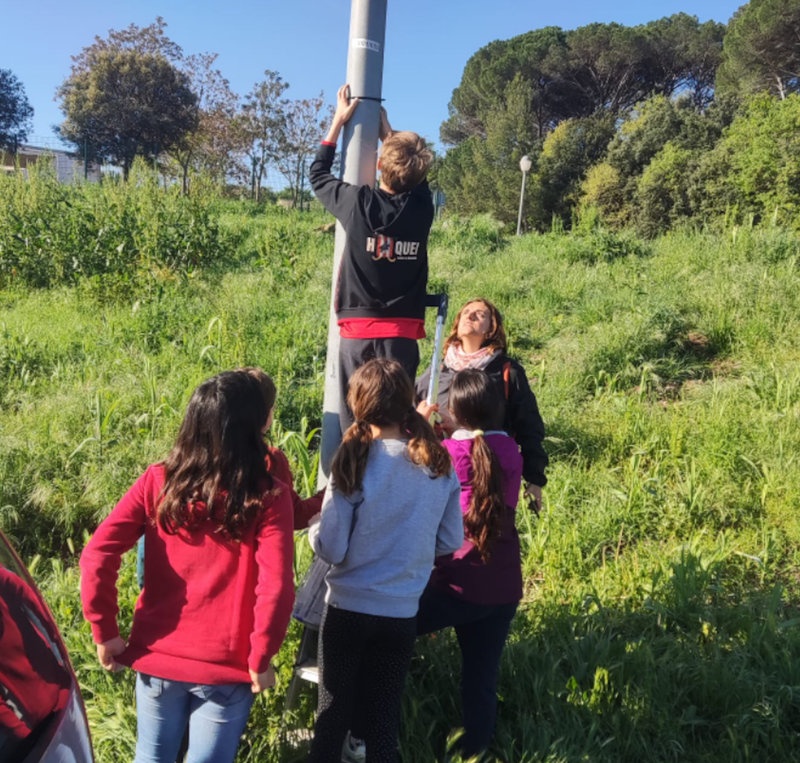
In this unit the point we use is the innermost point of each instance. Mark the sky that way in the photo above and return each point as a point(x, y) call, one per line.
point(427, 43)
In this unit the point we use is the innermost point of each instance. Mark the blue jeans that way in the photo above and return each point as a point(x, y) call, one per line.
point(216, 715)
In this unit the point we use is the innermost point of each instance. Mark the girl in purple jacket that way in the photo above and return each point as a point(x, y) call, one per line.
point(477, 590)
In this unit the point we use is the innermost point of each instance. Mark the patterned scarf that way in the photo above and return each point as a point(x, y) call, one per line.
point(458, 360)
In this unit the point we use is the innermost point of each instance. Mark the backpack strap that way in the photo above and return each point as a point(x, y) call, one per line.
point(506, 375)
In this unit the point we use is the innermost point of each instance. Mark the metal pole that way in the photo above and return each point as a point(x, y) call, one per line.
point(359, 156)
point(524, 164)
point(521, 199)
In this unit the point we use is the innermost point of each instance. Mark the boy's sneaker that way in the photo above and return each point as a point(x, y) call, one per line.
point(353, 750)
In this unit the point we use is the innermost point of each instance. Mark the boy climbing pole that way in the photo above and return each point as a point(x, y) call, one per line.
point(382, 279)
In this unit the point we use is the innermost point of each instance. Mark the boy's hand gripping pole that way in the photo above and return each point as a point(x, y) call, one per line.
point(440, 301)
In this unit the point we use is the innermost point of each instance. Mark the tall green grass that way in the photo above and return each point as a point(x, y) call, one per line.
point(92, 390)
point(113, 237)
point(660, 618)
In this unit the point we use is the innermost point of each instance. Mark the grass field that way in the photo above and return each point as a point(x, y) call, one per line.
point(660, 619)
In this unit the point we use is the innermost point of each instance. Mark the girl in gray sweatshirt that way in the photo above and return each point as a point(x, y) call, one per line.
point(392, 507)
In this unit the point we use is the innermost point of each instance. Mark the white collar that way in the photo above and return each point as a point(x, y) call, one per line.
point(468, 434)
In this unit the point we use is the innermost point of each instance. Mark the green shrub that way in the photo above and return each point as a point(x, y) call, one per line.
point(661, 198)
point(752, 173)
point(117, 234)
point(603, 189)
point(481, 233)
point(600, 245)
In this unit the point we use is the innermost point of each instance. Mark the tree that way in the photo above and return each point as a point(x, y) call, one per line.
point(151, 39)
point(482, 173)
point(514, 93)
point(703, 52)
point(567, 153)
point(488, 73)
point(214, 144)
point(762, 151)
point(684, 56)
point(598, 67)
point(15, 111)
point(260, 124)
point(605, 67)
point(640, 137)
point(126, 97)
point(662, 197)
point(603, 190)
point(299, 128)
point(761, 50)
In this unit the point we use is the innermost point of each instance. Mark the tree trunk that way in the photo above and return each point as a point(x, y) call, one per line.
point(185, 179)
point(781, 88)
point(258, 184)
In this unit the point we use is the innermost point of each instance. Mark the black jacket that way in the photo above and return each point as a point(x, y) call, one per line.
point(522, 418)
point(384, 266)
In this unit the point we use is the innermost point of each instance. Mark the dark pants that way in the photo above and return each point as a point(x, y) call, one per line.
point(353, 353)
point(482, 631)
point(363, 661)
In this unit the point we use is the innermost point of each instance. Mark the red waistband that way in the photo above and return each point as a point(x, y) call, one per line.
point(378, 328)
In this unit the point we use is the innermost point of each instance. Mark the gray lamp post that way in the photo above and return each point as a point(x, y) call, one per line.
point(525, 165)
point(359, 154)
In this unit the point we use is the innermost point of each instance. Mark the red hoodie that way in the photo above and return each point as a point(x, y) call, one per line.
point(210, 607)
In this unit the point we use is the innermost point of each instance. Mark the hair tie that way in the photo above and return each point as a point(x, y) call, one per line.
point(476, 432)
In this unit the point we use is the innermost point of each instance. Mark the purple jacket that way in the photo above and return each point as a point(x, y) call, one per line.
point(465, 575)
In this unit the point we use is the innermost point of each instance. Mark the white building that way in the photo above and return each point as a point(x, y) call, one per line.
point(68, 166)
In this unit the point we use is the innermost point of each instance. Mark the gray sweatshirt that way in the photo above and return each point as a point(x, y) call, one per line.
point(382, 539)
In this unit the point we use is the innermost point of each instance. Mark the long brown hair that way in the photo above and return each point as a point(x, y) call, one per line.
point(381, 393)
point(496, 338)
point(216, 469)
point(476, 405)
point(265, 383)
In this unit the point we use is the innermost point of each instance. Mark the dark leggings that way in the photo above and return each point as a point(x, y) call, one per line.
point(363, 660)
point(482, 631)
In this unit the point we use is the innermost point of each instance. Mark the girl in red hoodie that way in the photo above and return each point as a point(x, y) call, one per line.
point(218, 587)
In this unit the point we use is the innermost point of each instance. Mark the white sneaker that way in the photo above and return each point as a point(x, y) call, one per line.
point(353, 750)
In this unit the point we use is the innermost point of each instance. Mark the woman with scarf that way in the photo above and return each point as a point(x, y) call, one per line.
point(478, 341)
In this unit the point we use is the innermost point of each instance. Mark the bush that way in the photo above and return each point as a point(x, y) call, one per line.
point(602, 246)
point(604, 191)
point(122, 232)
point(752, 174)
point(482, 232)
point(661, 197)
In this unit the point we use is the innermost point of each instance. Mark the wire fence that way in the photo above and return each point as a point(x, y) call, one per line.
point(51, 142)
point(272, 179)
point(275, 181)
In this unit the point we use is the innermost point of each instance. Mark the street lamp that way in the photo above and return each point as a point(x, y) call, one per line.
point(359, 152)
point(525, 165)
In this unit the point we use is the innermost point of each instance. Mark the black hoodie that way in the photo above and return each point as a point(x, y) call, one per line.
point(384, 266)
